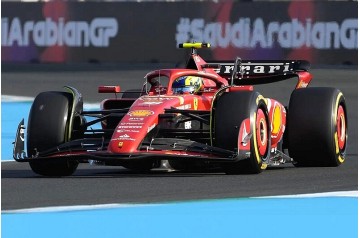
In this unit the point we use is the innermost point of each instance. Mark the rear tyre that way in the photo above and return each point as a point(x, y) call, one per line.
point(233, 109)
point(47, 128)
point(317, 127)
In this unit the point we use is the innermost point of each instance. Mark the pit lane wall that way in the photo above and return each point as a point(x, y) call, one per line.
point(67, 32)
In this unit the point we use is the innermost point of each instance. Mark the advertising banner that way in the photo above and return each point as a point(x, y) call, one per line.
point(66, 32)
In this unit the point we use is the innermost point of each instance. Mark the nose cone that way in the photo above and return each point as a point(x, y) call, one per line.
point(139, 121)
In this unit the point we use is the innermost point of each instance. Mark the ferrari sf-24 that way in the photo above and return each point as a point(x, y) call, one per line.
point(204, 115)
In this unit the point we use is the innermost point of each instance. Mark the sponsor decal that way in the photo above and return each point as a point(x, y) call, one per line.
point(196, 103)
point(277, 114)
point(250, 34)
point(126, 130)
point(125, 137)
point(248, 68)
point(162, 98)
point(184, 107)
point(276, 120)
point(131, 123)
point(187, 125)
point(96, 33)
point(136, 119)
point(140, 113)
point(129, 127)
point(149, 103)
point(155, 99)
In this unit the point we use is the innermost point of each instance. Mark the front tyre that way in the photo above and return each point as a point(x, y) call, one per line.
point(241, 115)
point(47, 128)
point(317, 127)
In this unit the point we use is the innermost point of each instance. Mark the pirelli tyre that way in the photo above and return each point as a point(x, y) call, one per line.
point(231, 110)
point(317, 127)
point(47, 128)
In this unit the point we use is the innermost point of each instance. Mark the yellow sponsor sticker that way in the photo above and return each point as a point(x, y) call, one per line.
point(141, 113)
point(196, 103)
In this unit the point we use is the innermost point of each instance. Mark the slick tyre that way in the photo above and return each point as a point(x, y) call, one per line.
point(317, 127)
point(47, 128)
point(231, 111)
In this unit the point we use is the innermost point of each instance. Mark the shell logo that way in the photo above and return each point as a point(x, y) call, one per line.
point(141, 113)
point(277, 120)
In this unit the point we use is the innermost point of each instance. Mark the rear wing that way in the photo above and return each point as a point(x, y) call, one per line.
point(256, 71)
point(250, 72)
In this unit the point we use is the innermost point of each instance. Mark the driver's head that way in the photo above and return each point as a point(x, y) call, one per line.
point(187, 84)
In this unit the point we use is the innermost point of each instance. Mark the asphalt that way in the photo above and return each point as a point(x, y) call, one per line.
point(21, 188)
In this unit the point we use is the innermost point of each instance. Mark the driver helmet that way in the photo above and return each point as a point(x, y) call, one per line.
point(187, 84)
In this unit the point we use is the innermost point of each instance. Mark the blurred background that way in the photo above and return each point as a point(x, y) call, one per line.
point(144, 31)
point(48, 44)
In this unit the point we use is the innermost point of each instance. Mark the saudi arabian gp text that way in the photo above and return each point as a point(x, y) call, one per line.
point(96, 33)
point(247, 34)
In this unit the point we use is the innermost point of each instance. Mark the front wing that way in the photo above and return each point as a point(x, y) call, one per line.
point(95, 149)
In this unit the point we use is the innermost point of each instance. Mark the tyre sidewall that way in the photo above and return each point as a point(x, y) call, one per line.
point(312, 125)
point(47, 128)
point(231, 109)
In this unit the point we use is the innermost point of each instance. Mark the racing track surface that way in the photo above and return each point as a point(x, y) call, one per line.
point(21, 188)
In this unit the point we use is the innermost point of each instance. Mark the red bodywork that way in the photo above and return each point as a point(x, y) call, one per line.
point(131, 124)
point(144, 113)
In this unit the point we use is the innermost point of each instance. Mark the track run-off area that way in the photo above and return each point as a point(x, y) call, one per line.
point(100, 201)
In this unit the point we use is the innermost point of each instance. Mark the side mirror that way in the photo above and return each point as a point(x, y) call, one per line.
point(109, 89)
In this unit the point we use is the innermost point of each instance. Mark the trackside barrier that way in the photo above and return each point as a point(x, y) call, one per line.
point(65, 32)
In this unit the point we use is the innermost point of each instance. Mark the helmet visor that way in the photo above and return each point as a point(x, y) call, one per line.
point(182, 90)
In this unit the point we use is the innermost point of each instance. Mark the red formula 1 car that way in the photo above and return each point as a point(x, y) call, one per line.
point(204, 115)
